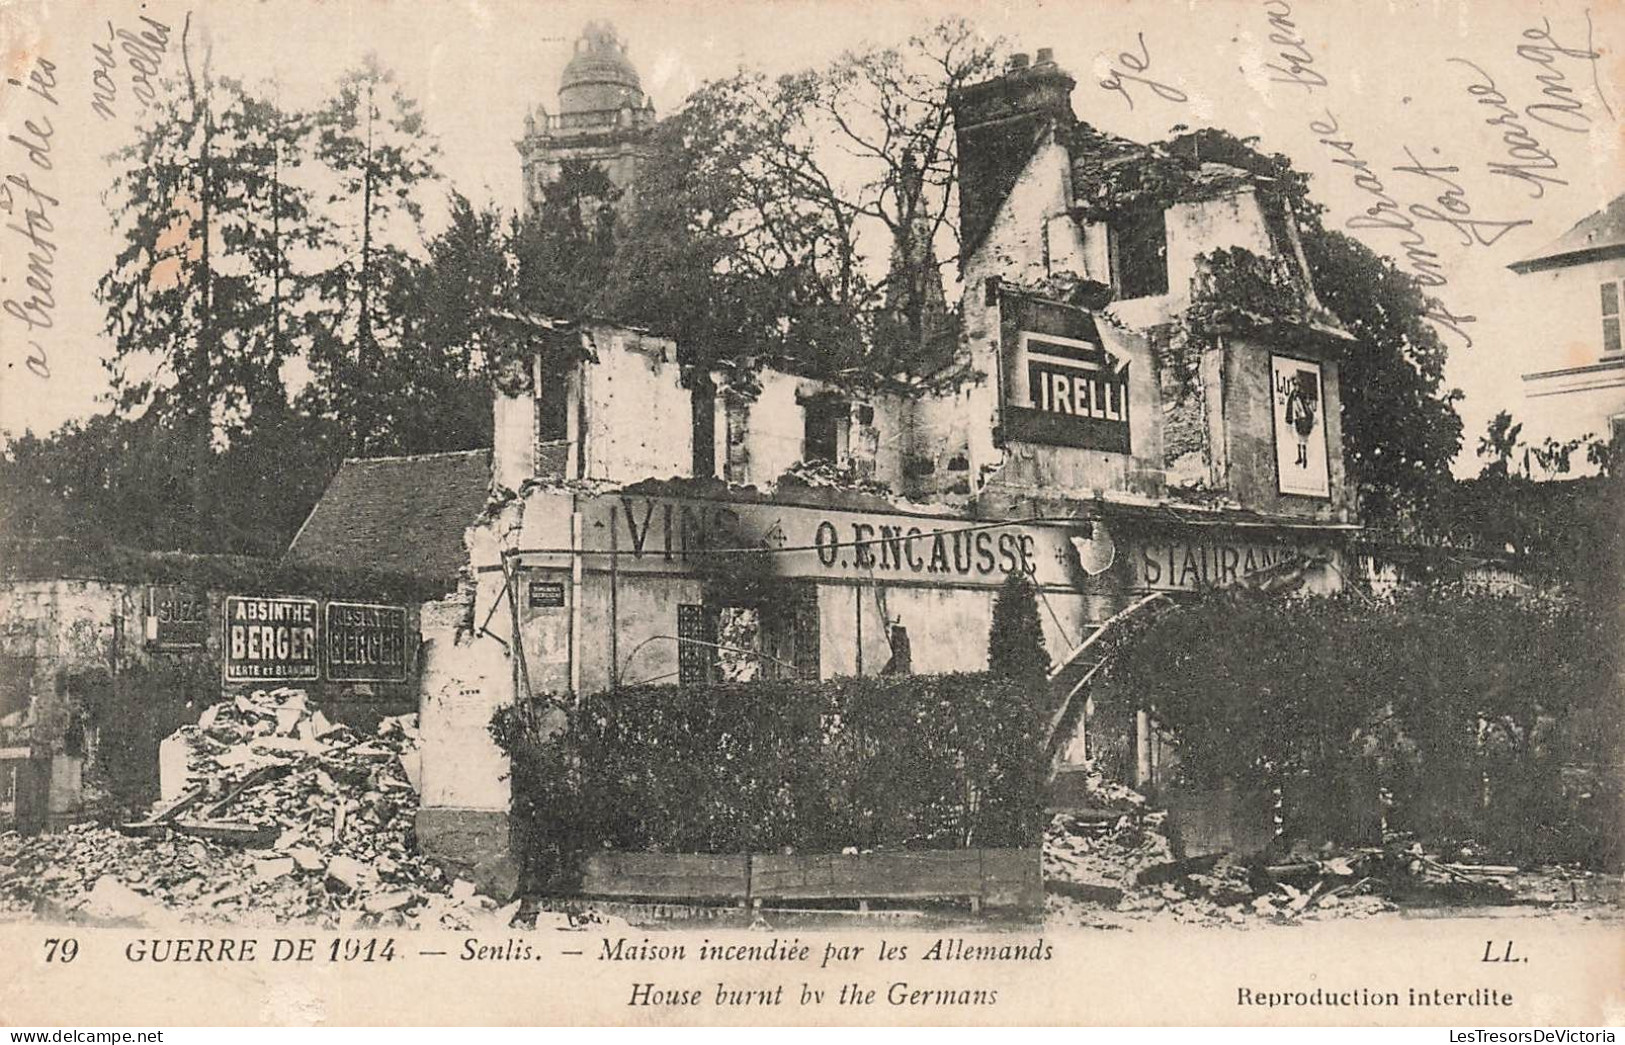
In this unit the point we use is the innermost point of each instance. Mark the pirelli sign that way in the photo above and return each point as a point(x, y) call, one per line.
point(1063, 386)
point(1076, 394)
point(292, 639)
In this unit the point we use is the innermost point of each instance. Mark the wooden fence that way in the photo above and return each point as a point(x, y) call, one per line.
point(1006, 879)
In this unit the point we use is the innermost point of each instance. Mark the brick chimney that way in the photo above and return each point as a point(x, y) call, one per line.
point(999, 124)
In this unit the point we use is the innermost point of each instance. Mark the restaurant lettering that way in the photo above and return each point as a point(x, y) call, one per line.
point(1182, 566)
point(366, 643)
point(272, 638)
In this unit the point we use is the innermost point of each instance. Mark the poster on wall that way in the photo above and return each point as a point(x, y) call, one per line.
point(1300, 427)
point(176, 618)
point(271, 639)
point(365, 642)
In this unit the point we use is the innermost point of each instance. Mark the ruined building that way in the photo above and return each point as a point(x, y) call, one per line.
point(1152, 406)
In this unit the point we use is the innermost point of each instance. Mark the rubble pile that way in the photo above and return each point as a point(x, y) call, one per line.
point(1105, 855)
point(1113, 866)
point(284, 816)
point(325, 798)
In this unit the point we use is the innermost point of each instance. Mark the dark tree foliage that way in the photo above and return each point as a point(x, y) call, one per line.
point(1498, 446)
point(673, 270)
point(1465, 706)
point(1015, 644)
point(140, 482)
point(566, 249)
point(1400, 426)
point(469, 272)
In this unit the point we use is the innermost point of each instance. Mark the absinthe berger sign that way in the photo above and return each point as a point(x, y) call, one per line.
point(271, 638)
point(365, 642)
point(290, 639)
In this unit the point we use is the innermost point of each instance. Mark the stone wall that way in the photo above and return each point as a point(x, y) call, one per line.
point(90, 698)
point(636, 411)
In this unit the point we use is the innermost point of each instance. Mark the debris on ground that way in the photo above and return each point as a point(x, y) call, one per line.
point(1114, 866)
point(1117, 870)
point(1122, 873)
point(285, 816)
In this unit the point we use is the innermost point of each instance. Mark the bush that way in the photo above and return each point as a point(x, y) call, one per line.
point(920, 761)
point(1476, 712)
point(1015, 645)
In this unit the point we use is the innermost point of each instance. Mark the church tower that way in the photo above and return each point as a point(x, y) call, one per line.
point(604, 117)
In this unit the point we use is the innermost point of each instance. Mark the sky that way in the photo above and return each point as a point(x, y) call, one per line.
point(1404, 84)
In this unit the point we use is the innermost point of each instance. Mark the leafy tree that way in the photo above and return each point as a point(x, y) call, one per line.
point(437, 397)
point(764, 203)
point(1499, 444)
point(678, 267)
point(1400, 426)
point(108, 479)
point(566, 249)
point(1015, 644)
point(284, 224)
point(470, 271)
point(196, 293)
point(197, 298)
point(371, 138)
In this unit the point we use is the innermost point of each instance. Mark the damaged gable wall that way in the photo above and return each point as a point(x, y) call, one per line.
point(1208, 432)
point(636, 416)
point(1014, 250)
point(1195, 227)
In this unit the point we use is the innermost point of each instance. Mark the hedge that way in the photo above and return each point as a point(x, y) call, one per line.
point(33, 559)
point(917, 762)
point(1483, 718)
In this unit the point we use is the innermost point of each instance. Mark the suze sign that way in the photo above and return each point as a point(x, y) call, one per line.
point(1068, 392)
point(177, 618)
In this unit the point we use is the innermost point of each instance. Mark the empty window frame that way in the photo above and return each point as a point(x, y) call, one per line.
point(553, 406)
point(824, 420)
point(1139, 254)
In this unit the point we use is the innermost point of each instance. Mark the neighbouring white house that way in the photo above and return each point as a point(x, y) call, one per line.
point(1573, 362)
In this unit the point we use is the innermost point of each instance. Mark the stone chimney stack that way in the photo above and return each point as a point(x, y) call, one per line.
point(999, 124)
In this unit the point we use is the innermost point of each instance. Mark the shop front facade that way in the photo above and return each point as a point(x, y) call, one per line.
point(654, 523)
